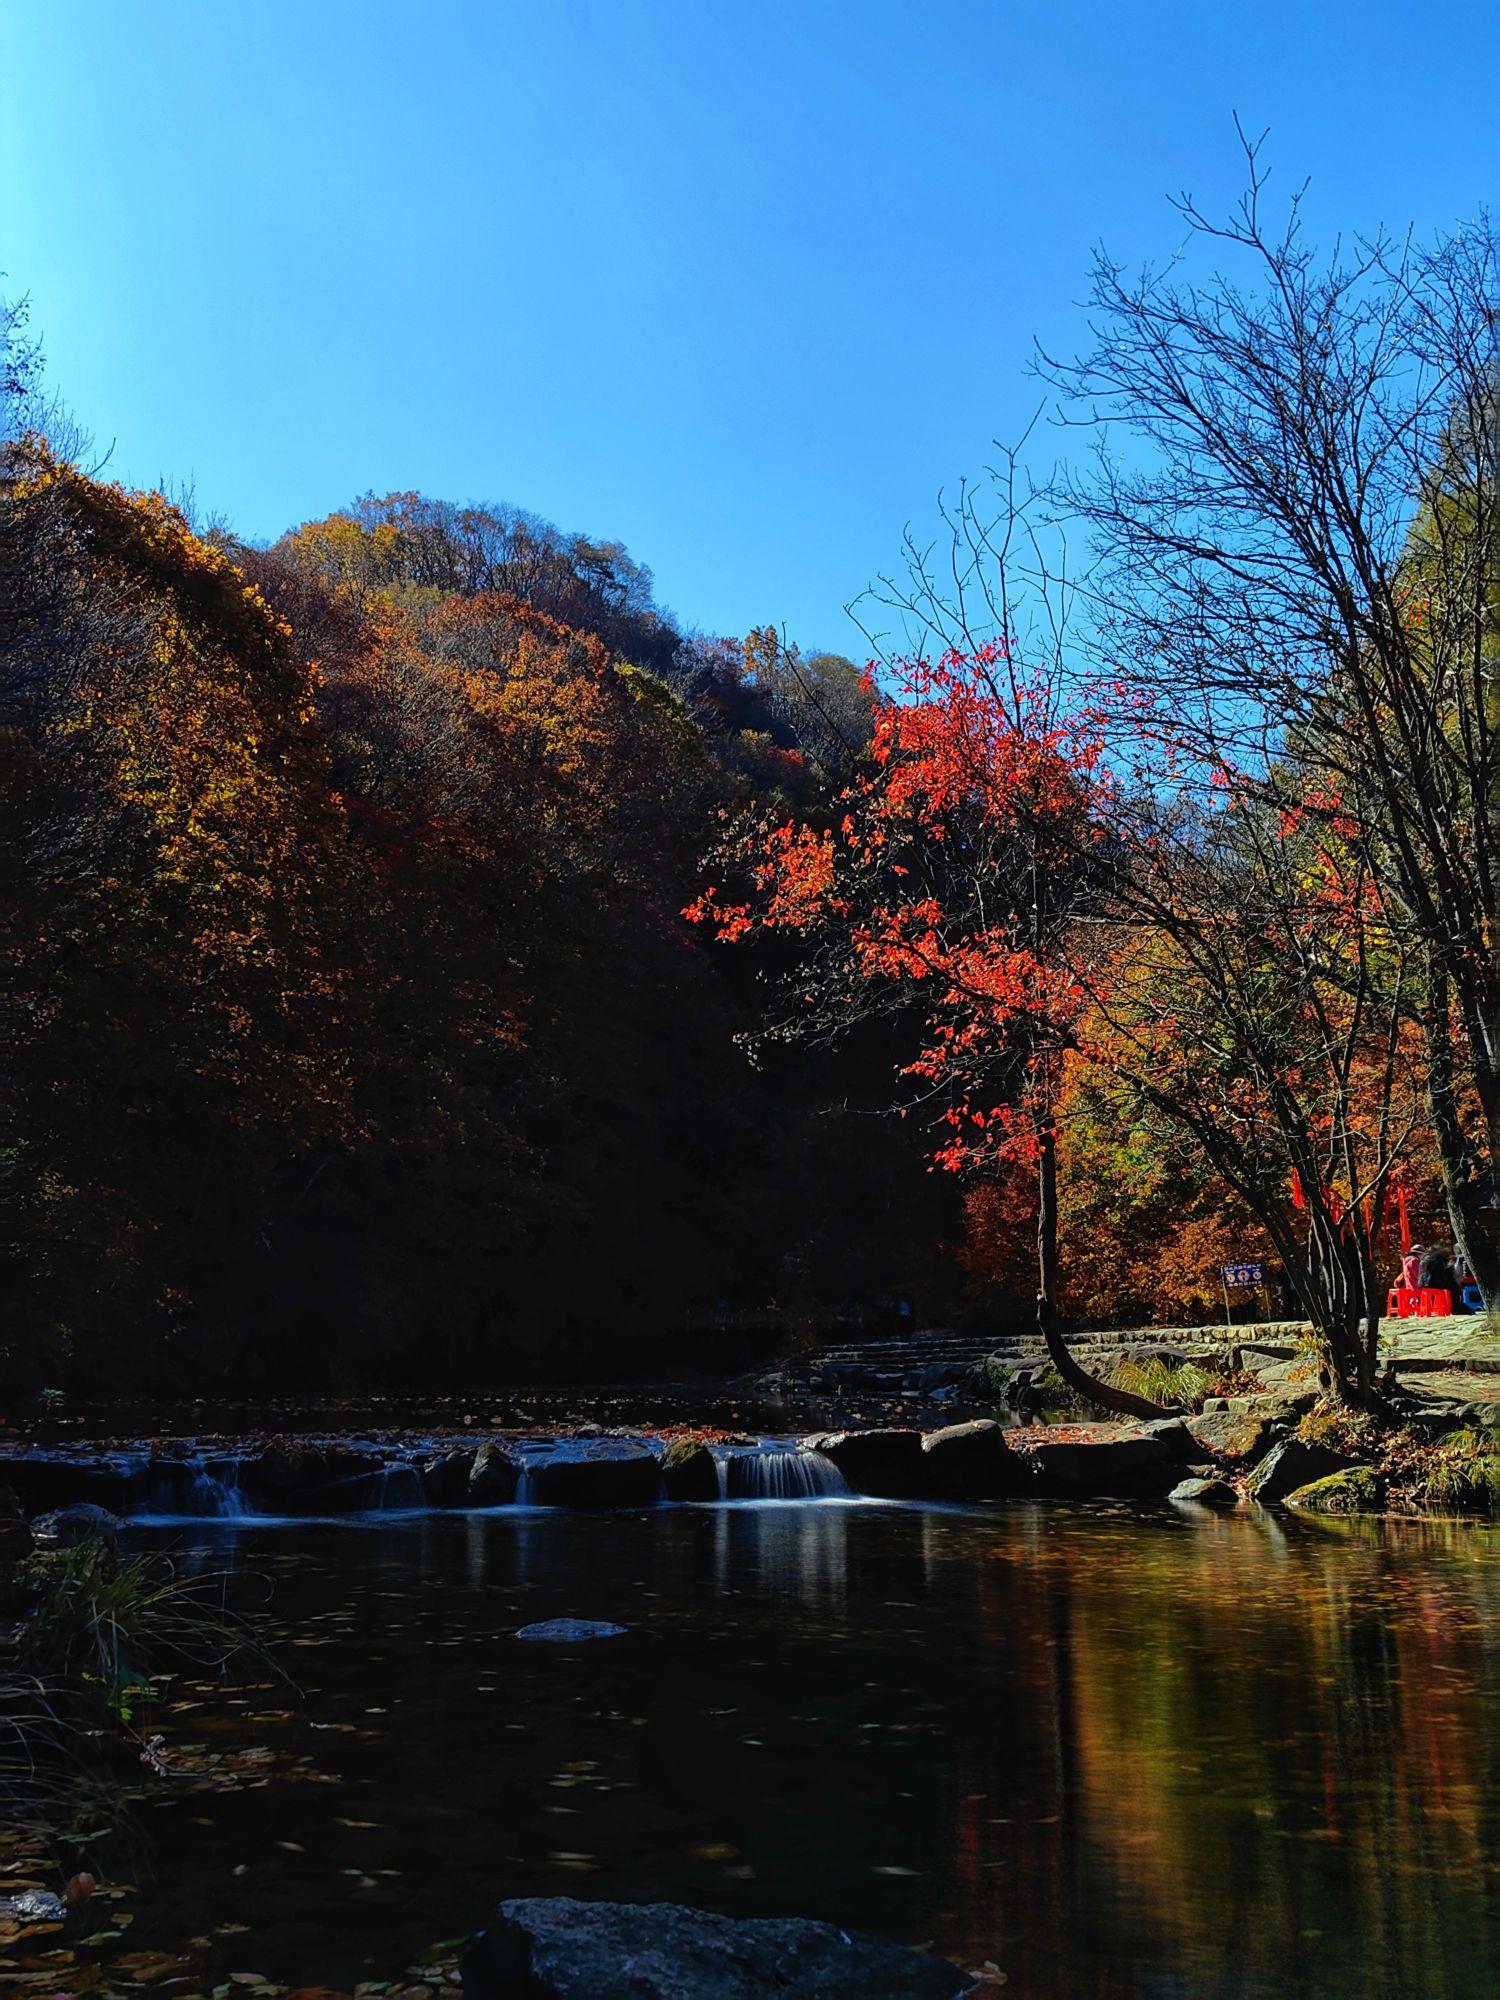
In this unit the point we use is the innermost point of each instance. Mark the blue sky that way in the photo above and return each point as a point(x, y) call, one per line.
point(741, 285)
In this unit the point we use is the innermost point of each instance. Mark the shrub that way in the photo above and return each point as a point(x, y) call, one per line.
point(1464, 1477)
point(1181, 1384)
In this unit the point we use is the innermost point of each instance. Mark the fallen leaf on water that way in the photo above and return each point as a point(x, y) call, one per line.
point(148, 1965)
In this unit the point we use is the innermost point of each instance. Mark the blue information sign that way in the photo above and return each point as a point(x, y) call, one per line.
point(1242, 1274)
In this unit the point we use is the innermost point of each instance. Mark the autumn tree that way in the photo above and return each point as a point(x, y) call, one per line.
point(175, 1013)
point(945, 892)
point(1005, 878)
point(1295, 518)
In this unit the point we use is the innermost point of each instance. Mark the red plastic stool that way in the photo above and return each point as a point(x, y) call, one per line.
point(1435, 1304)
point(1403, 1303)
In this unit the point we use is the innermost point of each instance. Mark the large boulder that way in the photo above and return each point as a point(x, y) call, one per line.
point(886, 1464)
point(1144, 1463)
point(1290, 1464)
point(689, 1471)
point(493, 1476)
point(553, 1948)
point(1232, 1434)
point(616, 1473)
point(973, 1462)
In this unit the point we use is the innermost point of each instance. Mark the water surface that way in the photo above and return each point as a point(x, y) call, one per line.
point(1114, 1751)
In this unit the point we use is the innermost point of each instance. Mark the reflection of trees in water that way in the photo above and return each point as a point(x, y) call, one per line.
point(1121, 1755)
point(1262, 1770)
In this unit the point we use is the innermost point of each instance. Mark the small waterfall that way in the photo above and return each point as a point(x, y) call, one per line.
point(721, 1467)
point(214, 1494)
point(783, 1472)
point(400, 1490)
point(526, 1489)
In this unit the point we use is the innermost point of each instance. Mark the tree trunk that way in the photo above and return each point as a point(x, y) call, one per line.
point(1469, 1195)
point(1048, 1320)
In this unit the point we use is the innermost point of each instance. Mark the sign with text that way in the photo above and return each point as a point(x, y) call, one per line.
point(1243, 1274)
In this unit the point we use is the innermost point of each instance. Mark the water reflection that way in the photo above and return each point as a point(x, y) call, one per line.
point(1116, 1751)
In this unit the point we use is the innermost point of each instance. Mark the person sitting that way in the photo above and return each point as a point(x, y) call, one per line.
point(1436, 1272)
point(1411, 1267)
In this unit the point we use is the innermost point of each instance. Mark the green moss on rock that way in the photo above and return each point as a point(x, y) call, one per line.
point(1360, 1491)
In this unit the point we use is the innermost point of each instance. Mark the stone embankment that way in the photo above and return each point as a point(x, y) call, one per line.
point(953, 1369)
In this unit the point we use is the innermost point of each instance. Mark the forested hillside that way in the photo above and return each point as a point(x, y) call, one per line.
point(355, 1028)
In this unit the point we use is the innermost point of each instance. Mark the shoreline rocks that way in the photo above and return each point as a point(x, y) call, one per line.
point(979, 1460)
point(1292, 1463)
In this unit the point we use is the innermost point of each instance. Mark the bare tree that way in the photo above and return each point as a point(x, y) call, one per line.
point(1294, 506)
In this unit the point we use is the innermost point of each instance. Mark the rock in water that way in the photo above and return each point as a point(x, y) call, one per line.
point(66, 1527)
point(1359, 1491)
point(974, 1462)
point(1205, 1493)
point(1291, 1464)
point(689, 1471)
point(553, 1948)
point(888, 1463)
point(617, 1472)
point(569, 1631)
point(1121, 1464)
point(493, 1476)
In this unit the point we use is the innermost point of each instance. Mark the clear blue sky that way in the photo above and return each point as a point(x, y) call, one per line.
point(742, 285)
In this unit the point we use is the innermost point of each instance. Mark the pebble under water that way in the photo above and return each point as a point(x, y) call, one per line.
point(1111, 1751)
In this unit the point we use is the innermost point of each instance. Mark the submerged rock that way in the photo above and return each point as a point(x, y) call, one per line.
point(1291, 1464)
point(973, 1462)
point(553, 1948)
point(33, 1906)
point(689, 1471)
point(570, 1631)
point(887, 1464)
